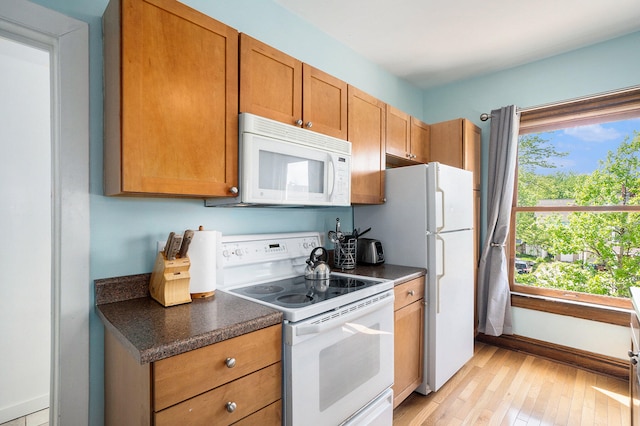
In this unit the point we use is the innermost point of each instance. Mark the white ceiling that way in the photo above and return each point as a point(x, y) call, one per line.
point(433, 42)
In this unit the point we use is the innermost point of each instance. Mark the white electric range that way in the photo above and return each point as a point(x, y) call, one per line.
point(337, 339)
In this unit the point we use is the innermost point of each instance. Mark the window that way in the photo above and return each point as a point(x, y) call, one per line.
point(576, 217)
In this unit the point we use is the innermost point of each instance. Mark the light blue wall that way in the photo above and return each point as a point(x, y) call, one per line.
point(123, 231)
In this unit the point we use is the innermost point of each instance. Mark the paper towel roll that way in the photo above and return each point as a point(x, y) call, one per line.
point(206, 264)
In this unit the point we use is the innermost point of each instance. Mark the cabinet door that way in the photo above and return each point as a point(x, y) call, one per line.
point(324, 102)
point(398, 141)
point(270, 82)
point(171, 89)
point(420, 140)
point(408, 334)
point(446, 143)
point(366, 132)
point(472, 141)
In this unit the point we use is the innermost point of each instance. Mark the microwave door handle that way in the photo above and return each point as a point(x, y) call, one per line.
point(331, 182)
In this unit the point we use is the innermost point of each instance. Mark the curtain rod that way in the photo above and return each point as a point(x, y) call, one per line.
point(484, 116)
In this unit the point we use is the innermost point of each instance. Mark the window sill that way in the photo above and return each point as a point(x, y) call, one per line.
point(589, 311)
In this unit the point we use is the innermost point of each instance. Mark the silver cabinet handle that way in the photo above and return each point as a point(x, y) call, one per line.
point(231, 407)
point(233, 190)
point(309, 124)
point(230, 362)
point(298, 122)
point(412, 293)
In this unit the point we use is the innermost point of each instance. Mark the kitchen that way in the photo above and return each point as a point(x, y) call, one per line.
point(134, 224)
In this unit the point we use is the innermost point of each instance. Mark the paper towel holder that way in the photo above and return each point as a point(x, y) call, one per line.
point(204, 294)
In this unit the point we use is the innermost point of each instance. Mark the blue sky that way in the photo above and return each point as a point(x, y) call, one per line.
point(587, 144)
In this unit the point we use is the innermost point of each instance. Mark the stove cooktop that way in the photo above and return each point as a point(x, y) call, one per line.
point(299, 298)
point(256, 267)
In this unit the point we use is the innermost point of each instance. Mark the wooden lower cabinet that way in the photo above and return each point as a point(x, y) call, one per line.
point(200, 387)
point(408, 338)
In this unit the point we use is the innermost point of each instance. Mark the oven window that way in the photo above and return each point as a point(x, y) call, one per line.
point(349, 363)
point(291, 174)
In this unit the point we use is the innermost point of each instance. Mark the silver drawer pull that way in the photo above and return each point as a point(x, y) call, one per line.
point(412, 293)
point(230, 362)
point(231, 407)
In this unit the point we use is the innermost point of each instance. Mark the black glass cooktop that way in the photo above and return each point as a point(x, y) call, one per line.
point(300, 292)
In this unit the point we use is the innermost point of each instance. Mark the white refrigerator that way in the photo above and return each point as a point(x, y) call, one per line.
point(427, 221)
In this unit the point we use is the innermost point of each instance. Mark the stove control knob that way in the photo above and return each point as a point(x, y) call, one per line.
point(226, 253)
point(231, 407)
point(230, 362)
point(238, 252)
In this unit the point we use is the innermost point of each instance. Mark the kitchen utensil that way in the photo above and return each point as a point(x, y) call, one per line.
point(317, 267)
point(168, 244)
point(339, 234)
point(174, 246)
point(186, 240)
point(359, 234)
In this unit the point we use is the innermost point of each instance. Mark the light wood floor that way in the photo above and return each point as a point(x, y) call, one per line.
point(504, 387)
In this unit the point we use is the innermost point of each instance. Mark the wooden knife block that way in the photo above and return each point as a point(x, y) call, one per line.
point(170, 281)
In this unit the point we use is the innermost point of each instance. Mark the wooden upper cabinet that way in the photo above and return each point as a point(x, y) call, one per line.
point(408, 139)
point(457, 143)
point(366, 132)
point(277, 86)
point(398, 133)
point(420, 140)
point(171, 109)
point(472, 137)
point(324, 102)
point(270, 82)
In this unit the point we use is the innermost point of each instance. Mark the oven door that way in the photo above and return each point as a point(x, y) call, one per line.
point(280, 172)
point(338, 363)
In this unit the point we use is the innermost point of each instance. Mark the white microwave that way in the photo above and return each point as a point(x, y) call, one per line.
point(284, 165)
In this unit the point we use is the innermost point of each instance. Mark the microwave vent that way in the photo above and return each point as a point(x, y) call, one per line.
point(253, 124)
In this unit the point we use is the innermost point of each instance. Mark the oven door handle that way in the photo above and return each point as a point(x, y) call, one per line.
point(341, 319)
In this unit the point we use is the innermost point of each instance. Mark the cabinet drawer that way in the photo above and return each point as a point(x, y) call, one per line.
point(249, 394)
point(408, 293)
point(270, 415)
point(183, 376)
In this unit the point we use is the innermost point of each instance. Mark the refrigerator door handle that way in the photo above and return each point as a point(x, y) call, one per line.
point(441, 274)
point(442, 202)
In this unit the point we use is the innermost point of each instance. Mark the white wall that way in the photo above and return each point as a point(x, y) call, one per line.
point(25, 226)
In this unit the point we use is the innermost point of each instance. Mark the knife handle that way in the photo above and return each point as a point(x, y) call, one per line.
point(167, 246)
point(186, 240)
point(175, 247)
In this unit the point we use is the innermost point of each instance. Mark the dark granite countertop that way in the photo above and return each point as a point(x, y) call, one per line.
point(152, 332)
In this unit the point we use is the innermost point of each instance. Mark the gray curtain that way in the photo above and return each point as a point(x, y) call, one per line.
point(494, 301)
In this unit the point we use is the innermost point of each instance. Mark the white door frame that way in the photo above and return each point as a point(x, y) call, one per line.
point(68, 41)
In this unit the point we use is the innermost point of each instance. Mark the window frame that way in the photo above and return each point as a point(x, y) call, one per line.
point(611, 106)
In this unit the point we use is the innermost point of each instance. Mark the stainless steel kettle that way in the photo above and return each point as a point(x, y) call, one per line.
point(317, 266)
